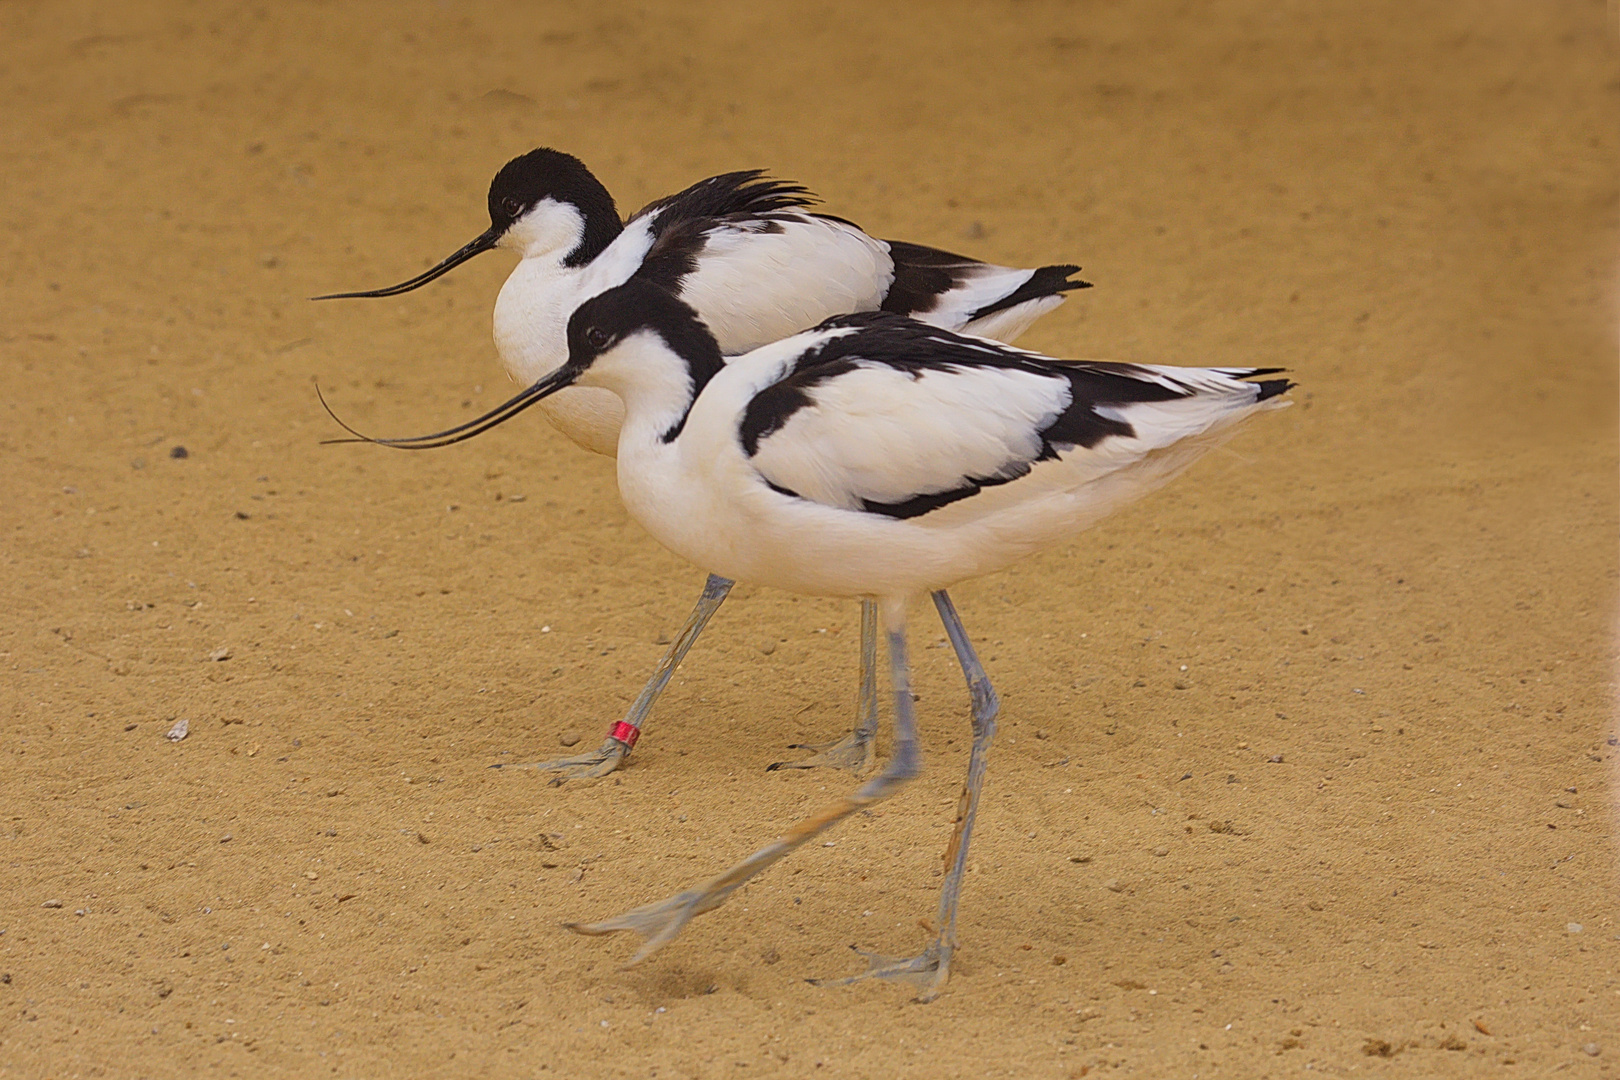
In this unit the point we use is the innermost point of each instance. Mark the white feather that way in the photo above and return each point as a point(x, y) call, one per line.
point(882, 435)
point(753, 286)
point(1008, 324)
point(982, 284)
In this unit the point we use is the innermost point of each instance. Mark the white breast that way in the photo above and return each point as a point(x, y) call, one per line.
point(531, 320)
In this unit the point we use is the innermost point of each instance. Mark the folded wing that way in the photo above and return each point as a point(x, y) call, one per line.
point(902, 420)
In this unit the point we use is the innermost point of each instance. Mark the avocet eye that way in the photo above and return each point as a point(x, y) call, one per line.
point(598, 337)
point(511, 206)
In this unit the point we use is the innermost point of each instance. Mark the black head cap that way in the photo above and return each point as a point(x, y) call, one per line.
point(525, 181)
point(604, 321)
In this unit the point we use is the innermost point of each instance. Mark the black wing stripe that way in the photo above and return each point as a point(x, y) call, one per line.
point(921, 275)
point(768, 411)
point(918, 505)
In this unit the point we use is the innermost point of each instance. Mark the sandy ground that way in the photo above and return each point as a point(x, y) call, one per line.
point(1403, 588)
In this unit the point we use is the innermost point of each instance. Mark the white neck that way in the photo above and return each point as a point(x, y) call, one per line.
point(654, 383)
point(550, 231)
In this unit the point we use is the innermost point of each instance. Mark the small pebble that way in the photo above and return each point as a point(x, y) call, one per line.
point(569, 737)
point(225, 839)
point(767, 646)
point(178, 452)
point(1593, 1049)
point(1161, 851)
point(1574, 927)
point(179, 731)
point(1113, 885)
point(52, 904)
point(770, 955)
point(1183, 684)
point(221, 653)
point(1275, 759)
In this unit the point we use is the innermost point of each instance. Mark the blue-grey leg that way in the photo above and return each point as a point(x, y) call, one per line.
point(659, 923)
point(624, 733)
point(931, 968)
point(855, 750)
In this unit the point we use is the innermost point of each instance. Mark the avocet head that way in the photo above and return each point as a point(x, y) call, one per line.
point(637, 339)
point(634, 333)
point(543, 202)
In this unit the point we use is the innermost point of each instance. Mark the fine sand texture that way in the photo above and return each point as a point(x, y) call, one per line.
point(1307, 763)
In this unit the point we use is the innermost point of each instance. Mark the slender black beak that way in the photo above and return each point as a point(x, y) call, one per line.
point(482, 243)
point(550, 384)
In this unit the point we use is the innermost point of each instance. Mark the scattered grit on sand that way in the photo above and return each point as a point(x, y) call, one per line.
point(1307, 763)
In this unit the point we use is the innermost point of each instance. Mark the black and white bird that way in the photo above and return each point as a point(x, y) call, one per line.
point(880, 458)
point(757, 264)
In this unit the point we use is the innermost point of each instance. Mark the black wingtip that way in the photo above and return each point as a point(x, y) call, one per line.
point(1270, 388)
point(1056, 279)
point(1045, 281)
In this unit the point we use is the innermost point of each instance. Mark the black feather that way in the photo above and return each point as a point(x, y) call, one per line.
point(1045, 281)
point(748, 191)
point(683, 221)
point(923, 274)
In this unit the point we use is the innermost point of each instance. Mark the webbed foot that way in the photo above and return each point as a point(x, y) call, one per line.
point(658, 923)
point(599, 762)
point(928, 971)
point(854, 752)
